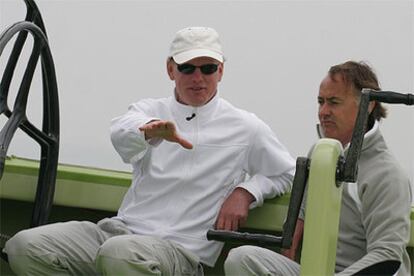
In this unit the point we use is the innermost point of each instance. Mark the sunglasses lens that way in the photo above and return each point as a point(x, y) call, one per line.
point(208, 69)
point(186, 68)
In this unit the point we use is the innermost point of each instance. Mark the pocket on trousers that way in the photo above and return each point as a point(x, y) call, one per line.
point(113, 226)
point(189, 263)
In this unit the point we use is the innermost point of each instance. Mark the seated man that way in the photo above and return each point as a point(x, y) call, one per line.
point(374, 224)
point(190, 153)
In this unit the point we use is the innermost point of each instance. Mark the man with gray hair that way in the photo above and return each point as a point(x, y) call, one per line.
point(374, 227)
point(190, 154)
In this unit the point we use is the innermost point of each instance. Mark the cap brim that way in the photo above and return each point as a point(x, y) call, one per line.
point(189, 55)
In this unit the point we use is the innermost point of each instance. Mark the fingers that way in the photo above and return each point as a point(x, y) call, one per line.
point(184, 143)
point(158, 126)
point(234, 211)
point(177, 138)
point(152, 129)
point(229, 223)
point(159, 129)
point(165, 130)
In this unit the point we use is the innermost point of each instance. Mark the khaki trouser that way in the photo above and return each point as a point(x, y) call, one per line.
point(86, 248)
point(252, 260)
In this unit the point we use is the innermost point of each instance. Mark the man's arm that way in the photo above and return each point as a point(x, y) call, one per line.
point(385, 212)
point(234, 211)
point(269, 164)
point(129, 141)
point(271, 169)
point(126, 138)
point(291, 253)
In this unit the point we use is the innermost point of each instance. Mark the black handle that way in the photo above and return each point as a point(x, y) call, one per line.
point(258, 239)
point(392, 97)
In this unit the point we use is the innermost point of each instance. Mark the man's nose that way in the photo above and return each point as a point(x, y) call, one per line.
point(324, 110)
point(197, 75)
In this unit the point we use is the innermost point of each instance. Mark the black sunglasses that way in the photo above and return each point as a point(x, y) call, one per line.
point(206, 69)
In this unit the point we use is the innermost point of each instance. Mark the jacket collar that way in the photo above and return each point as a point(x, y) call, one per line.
point(368, 136)
point(201, 112)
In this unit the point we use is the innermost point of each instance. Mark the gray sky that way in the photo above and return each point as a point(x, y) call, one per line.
point(109, 54)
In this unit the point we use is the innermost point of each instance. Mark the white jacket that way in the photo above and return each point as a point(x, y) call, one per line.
point(176, 193)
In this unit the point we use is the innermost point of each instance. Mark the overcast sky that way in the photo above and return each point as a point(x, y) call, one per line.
point(109, 54)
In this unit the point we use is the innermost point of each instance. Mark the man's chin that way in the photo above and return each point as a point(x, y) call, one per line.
point(329, 133)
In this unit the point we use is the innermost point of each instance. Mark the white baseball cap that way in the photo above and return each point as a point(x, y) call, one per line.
point(193, 42)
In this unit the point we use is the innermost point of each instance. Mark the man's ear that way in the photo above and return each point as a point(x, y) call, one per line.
point(170, 69)
point(221, 71)
point(371, 106)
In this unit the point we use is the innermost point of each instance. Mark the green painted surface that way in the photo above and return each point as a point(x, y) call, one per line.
point(76, 186)
point(70, 172)
point(322, 211)
point(103, 189)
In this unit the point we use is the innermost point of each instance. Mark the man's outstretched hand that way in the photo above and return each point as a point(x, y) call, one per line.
point(165, 130)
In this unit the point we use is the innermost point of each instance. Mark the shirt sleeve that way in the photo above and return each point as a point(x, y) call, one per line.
point(126, 137)
point(269, 164)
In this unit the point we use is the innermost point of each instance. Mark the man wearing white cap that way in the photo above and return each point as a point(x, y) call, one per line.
point(190, 154)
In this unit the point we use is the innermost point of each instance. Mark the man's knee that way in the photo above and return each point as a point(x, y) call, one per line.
point(237, 260)
point(23, 250)
point(253, 260)
point(126, 247)
point(120, 254)
point(24, 242)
